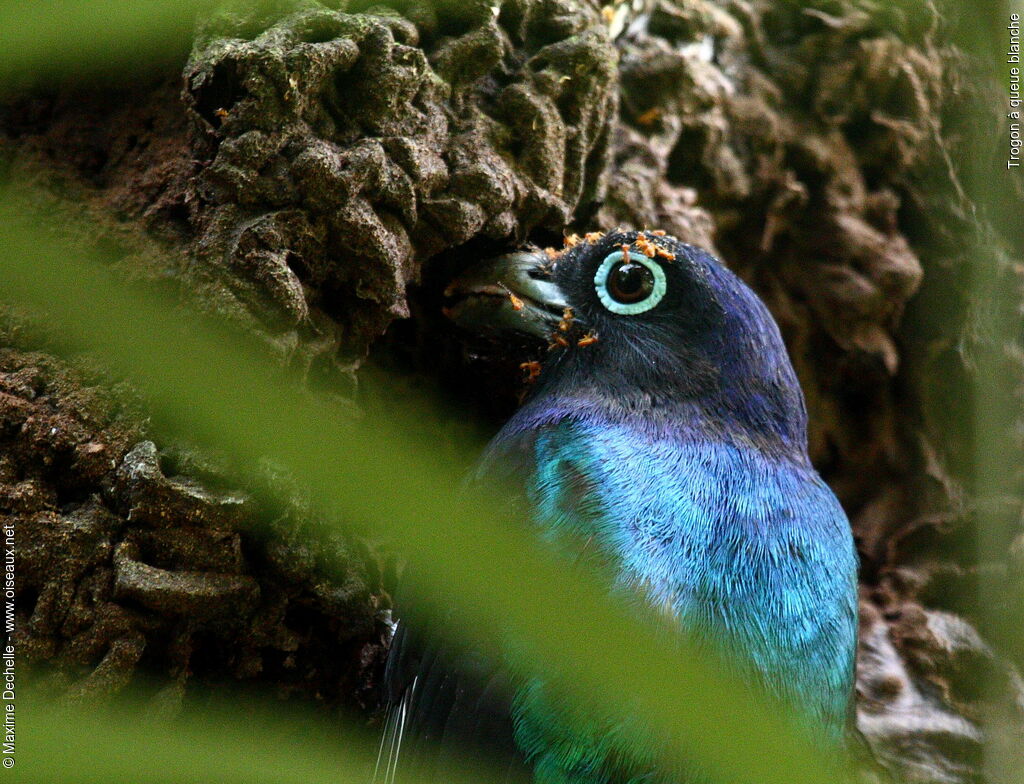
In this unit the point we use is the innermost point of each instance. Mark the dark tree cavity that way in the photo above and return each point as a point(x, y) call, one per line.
point(319, 169)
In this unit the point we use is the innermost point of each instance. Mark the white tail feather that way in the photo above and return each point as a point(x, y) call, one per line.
point(391, 740)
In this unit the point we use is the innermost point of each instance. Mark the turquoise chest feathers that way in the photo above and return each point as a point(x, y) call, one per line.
point(743, 548)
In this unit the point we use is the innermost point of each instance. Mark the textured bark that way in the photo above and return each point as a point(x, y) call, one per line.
point(318, 174)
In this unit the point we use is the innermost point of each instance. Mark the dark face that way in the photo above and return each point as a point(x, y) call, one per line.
point(646, 323)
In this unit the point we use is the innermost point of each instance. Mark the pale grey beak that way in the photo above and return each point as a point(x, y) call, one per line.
point(513, 293)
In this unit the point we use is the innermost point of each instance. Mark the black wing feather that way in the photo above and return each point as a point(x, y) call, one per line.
point(448, 703)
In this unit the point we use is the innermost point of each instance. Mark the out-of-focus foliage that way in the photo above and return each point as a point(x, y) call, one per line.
point(221, 743)
point(201, 382)
point(47, 38)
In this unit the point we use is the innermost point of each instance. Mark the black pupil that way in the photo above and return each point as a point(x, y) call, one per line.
point(629, 282)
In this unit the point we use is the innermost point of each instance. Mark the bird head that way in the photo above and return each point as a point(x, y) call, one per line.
point(642, 325)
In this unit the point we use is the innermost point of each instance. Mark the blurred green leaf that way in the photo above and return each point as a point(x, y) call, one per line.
point(75, 38)
point(225, 742)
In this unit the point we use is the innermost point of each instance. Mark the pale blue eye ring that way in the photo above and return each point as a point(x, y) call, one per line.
point(657, 286)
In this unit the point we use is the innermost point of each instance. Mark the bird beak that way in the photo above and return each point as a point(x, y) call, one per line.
point(513, 293)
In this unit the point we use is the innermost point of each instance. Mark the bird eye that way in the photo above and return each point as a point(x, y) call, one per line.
point(631, 284)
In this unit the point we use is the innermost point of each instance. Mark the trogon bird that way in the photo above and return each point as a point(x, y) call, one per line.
point(666, 430)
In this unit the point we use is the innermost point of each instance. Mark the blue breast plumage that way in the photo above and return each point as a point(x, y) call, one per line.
point(665, 443)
